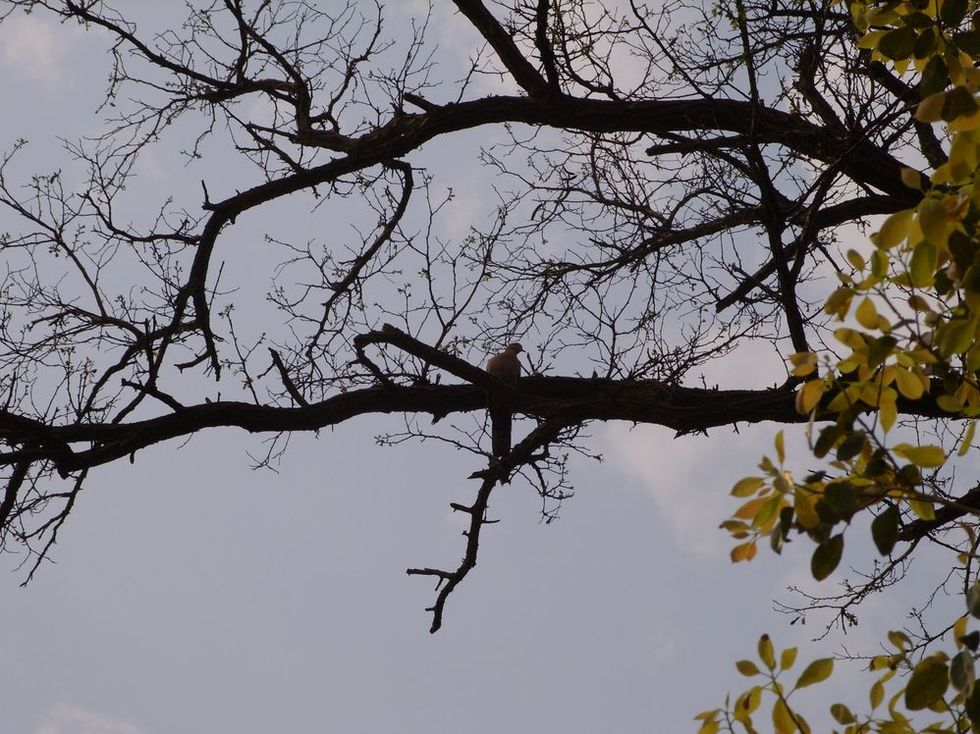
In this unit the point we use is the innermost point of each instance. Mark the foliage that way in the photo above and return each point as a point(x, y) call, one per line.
point(909, 314)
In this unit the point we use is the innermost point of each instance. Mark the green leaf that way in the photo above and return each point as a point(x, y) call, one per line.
point(926, 44)
point(968, 41)
point(928, 683)
point(884, 530)
point(826, 557)
point(879, 349)
point(747, 667)
point(818, 670)
point(961, 672)
point(898, 43)
point(935, 77)
point(851, 446)
point(842, 499)
point(952, 12)
point(972, 706)
point(973, 599)
point(972, 640)
point(826, 440)
point(842, 714)
point(959, 101)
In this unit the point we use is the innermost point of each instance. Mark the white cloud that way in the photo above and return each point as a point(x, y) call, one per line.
point(67, 719)
point(34, 49)
point(689, 498)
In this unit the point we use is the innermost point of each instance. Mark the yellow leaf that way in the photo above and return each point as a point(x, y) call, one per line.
point(803, 363)
point(925, 258)
point(962, 157)
point(817, 671)
point(933, 221)
point(894, 230)
point(949, 403)
point(870, 40)
point(804, 502)
point(809, 395)
point(787, 658)
point(839, 302)
point(782, 720)
point(967, 439)
point(747, 486)
point(911, 178)
point(908, 384)
point(923, 510)
point(927, 456)
point(931, 108)
point(855, 258)
point(867, 314)
point(744, 552)
point(877, 694)
point(766, 652)
point(780, 448)
point(888, 413)
point(750, 508)
point(959, 629)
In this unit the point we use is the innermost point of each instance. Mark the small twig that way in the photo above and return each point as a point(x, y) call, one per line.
point(287, 381)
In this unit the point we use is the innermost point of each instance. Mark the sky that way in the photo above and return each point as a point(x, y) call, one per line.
point(193, 594)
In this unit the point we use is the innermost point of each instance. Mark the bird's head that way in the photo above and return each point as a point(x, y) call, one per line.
point(515, 348)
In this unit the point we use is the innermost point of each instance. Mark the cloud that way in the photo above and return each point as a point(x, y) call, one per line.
point(673, 473)
point(73, 720)
point(33, 49)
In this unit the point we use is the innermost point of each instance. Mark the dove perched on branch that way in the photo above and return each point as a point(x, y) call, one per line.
point(506, 367)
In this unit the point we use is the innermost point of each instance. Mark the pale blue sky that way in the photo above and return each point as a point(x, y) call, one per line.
point(194, 595)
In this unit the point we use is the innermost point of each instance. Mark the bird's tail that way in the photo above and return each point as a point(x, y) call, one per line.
point(501, 419)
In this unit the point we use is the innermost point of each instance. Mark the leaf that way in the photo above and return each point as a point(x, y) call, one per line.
point(925, 256)
point(747, 668)
point(949, 403)
point(744, 552)
point(895, 229)
point(968, 41)
point(884, 530)
point(782, 719)
point(959, 101)
point(973, 599)
point(747, 486)
point(826, 557)
point(908, 384)
point(866, 314)
point(808, 396)
point(967, 439)
point(766, 652)
point(817, 671)
point(930, 109)
point(877, 694)
point(842, 714)
point(780, 447)
point(923, 510)
point(928, 683)
point(898, 43)
point(928, 456)
point(959, 630)
point(961, 671)
point(787, 658)
point(952, 12)
point(851, 446)
point(935, 77)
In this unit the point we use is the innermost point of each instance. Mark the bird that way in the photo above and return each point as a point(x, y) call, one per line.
point(506, 367)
